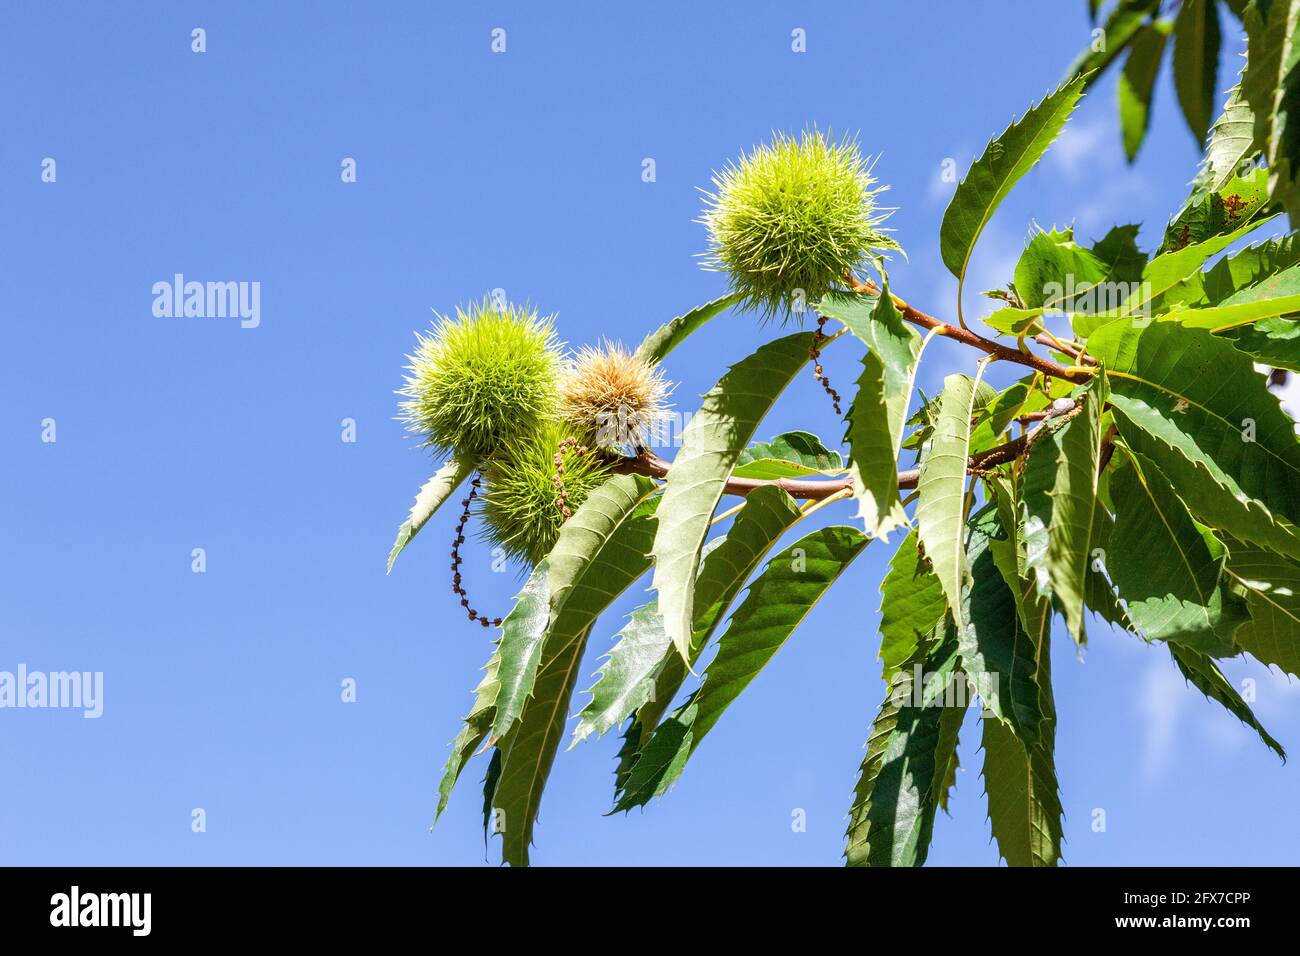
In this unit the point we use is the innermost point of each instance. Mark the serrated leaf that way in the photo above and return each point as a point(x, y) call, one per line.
point(768, 513)
point(572, 585)
point(995, 651)
point(1197, 408)
point(1271, 584)
point(1163, 273)
point(907, 763)
point(1274, 342)
point(529, 751)
point(1233, 274)
point(1020, 780)
point(1137, 83)
point(1233, 204)
point(1231, 143)
point(911, 606)
point(1196, 63)
point(940, 510)
point(1059, 491)
point(1023, 795)
point(1272, 88)
point(490, 779)
point(432, 494)
point(946, 759)
point(477, 724)
point(879, 411)
point(790, 455)
point(991, 177)
point(1168, 571)
point(1122, 23)
point(671, 334)
point(711, 444)
point(1247, 310)
point(1203, 674)
point(774, 605)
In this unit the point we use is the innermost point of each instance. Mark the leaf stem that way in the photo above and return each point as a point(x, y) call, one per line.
point(967, 337)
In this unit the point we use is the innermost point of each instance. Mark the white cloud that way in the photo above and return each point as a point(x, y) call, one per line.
point(1162, 700)
point(1082, 147)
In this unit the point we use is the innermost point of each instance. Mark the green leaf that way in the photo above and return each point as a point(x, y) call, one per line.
point(1203, 674)
point(1271, 584)
point(1013, 321)
point(1196, 407)
point(528, 750)
point(711, 445)
point(879, 411)
point(940, 509)
point(589, 556)
point(528, 753)
point(668, 336)
point(1168, 571)
point(1274, 342)
point(1231, 144)
point(477, 724)
point(1137, 82)
point(1163, 273)
point(1055, 274)
point(768, 513)
point(908, 763)
point(996, 653)
point(519, 651)
point(790, 455)
point(991, 177)
point(1118, 249)
point(432, 494)
point(1235, 203)
point(1122, 24)
point(1060, 488)
point(1020, 780)
point(490, 779)
point(1231, 315)
point(1272, 88)
point(1233, 274)
point(912, 606)
point(627, 678)
point(774, 605)
point(1196, 63)
point(1023, 797)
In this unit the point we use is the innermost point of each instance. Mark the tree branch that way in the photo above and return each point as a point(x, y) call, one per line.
point(967, 337)
point(817, 489)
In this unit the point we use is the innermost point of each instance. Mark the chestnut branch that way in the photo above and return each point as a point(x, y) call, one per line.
point(967, 337)
point(818, 489)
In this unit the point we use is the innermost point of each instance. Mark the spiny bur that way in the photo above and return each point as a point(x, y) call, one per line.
point(789, 220)
point(482, 380)
point(528, 490)
point(612, 398)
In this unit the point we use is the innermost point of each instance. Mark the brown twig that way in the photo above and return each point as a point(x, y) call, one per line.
point(1062, 347)
point(967, 337)
point(816, 489)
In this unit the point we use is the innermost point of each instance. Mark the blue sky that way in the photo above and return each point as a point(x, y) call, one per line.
point(475, 171)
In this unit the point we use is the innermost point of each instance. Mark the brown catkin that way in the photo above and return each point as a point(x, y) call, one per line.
point(814, 353)
point(457, 583)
